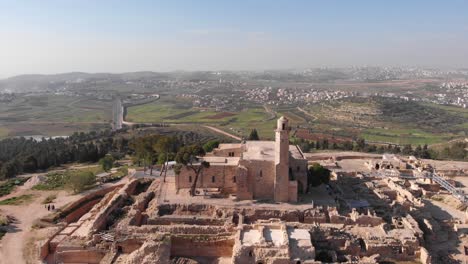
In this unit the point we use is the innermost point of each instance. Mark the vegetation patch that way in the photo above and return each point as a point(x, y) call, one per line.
point(49, 199)
point(75, 180)
point(181, 115)
point(17, 200)
point(6, 187)
point(221, 115)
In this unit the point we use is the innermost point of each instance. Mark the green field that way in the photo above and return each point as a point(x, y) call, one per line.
point(379, 120)
point(53, 115)
point(391, 120)
point(178, 112)
point(403, 136)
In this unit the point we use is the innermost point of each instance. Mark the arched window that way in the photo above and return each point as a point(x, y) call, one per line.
point(190, 178)
point(234, 179)
point(212, 178)
point(260, 173)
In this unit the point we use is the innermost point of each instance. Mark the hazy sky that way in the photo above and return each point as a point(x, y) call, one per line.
point(42, 36)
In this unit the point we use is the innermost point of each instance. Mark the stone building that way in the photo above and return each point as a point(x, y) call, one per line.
point(260, 170)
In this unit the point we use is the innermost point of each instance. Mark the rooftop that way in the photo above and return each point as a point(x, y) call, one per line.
point(265, 150)
point(229, 145)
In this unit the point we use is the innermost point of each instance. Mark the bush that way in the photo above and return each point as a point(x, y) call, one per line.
point(8, 186)
point(81, 180)
point(49, 199)
point(107, 162)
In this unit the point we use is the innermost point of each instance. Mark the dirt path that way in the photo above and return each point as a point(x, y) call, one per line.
point(12, 244)
point(217, 130)
point(270, 112)
point(307, 113)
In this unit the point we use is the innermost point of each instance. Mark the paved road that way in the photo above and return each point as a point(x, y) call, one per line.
point(117, 114)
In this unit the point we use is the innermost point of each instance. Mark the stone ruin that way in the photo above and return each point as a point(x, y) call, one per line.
point(134, 223)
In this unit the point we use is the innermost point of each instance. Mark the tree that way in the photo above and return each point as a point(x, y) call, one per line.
point(165, 146)
point(188, 156)
point(210, 145)
point(418, 151)
point(10, 169)
point(143, 147)
point(318, 175)
point(426, 154)
point(407, 149)
point(458, 151)
point(107, 162)
point(79, 181)
point(253, 135)
point(360, 144)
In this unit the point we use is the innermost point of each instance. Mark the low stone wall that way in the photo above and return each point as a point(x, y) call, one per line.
point(44, 250)
point(128, 246)
point(251, 216)
point(80, 211)
point(201, 247)
point(80, 256)
point(183, 229)
point(71, 208)
point(186, 220)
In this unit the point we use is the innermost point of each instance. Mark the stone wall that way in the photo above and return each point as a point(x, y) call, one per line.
point(203, 221)
point(225, 152)
point(292, 191)
point(186, 246)
point(80, 256)
point(71, 208)
point(260, 176)
point(129, 245)
point(299, 169)
point(80, 211)
point(224, 178)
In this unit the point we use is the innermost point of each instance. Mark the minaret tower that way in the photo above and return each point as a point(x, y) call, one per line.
point(281, 184)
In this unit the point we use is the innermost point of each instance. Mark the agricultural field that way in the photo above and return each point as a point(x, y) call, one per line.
point(374, 119)
point(181, 112)
point(53, 115)
point(391, 120)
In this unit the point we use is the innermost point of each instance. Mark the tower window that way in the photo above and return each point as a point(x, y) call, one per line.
point(212, 178)
point(234, 179)
point(298, 168)
point(284, 126)
point(260, 173)
point(190, 178)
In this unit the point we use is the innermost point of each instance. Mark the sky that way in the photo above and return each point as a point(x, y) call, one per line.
point(56, 36)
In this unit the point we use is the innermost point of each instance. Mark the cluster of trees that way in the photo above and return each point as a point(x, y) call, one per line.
point(456, 151)
point(158, 149)
point(22, 155)
point(154, 149)
point(362, 146)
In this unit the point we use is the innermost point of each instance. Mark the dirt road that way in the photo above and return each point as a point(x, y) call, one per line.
point(217, 130)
